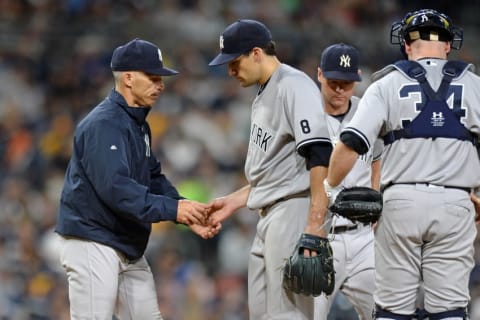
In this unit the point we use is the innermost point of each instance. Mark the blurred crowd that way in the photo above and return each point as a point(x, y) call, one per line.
point(54, 67)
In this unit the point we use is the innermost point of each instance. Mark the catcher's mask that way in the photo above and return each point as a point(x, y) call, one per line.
point(425, 24)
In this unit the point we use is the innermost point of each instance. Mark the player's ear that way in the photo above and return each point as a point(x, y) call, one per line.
point(257, 54)
point(448, 47)
point(408, 49)
point(319, 74)
point(127, 78)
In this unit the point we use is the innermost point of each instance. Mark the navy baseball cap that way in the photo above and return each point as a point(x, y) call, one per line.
point(340, 62)
point(240, 37)
point(140, 55)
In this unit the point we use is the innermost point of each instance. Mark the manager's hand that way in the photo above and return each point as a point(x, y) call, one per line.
point(192, 212)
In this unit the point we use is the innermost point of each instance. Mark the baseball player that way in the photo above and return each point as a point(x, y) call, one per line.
point(352, 243)
point(114, 190)
point(426, 109)
point(288, 135)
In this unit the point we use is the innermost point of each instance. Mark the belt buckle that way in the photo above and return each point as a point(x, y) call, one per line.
point(261, 212)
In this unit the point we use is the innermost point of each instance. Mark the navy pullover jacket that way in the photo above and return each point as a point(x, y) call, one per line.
point(114, 188)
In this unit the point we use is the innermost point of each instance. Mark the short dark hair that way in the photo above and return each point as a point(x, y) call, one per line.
point(269, 49)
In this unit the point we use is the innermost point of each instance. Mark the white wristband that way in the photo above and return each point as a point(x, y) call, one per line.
point(328, 188)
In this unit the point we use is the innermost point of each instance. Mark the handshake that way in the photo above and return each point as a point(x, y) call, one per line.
point(205, 219)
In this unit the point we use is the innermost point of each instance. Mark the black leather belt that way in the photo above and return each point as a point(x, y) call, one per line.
point(467, 190)
point(342, 229)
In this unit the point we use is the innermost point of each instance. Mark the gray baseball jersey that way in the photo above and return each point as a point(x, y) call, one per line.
point(361, 173)
point(394, 98)
point(353, 250)
point(427, 229)
point(287, 116)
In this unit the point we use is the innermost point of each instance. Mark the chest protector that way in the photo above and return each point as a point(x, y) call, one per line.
point(436, 119)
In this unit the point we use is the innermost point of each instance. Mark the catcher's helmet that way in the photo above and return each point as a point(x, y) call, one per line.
point(426, 24)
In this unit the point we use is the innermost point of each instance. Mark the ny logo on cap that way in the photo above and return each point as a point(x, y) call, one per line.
point(424, 18)
point(160, 55)
point(345, 61)
point(221, 42)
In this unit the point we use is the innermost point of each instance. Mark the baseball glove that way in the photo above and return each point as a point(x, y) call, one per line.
point(310, 275)
point(359, 204)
